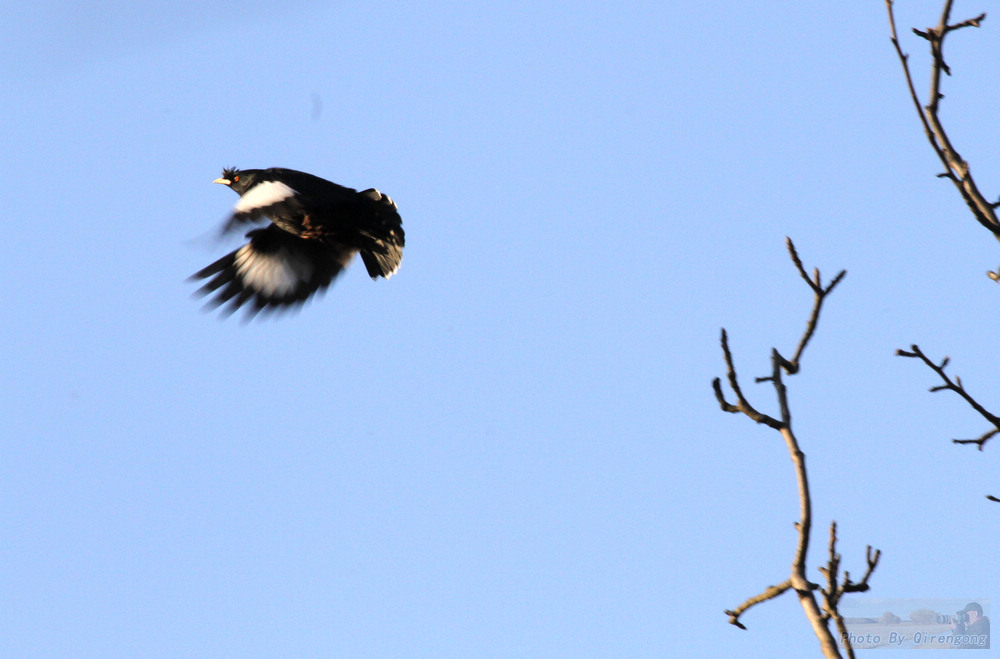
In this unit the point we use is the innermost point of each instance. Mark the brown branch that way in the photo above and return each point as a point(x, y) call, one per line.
point(820, 293)
point(862, 586)
point(956, 169)
point(770, 593)
point(958, 172)
point(979, 441)
point(955, 385)
point(797, 581)
point(778, 362)
point(835, 590)
point(743, 405)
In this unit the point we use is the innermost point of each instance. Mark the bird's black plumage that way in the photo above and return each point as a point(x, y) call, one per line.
point(316, 229)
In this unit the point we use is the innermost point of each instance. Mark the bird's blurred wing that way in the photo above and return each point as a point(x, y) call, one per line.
point(275, 270)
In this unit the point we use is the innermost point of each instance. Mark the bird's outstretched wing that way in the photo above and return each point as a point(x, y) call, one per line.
point(275, 270)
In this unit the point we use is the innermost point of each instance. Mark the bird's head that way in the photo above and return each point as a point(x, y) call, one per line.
point(240, 180)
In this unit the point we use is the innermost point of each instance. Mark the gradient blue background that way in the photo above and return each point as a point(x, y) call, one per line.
point(511, 449)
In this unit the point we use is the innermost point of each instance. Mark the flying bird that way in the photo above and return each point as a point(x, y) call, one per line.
point(315, 229)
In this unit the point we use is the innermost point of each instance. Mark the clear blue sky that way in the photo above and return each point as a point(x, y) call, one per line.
point(511, 448)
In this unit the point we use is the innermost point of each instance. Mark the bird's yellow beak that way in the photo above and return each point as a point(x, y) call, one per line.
point(223, 181)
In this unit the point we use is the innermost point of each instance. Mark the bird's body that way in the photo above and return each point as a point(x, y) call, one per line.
point(316, 229)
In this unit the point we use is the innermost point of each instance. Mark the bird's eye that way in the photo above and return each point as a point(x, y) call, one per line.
point(236, 178)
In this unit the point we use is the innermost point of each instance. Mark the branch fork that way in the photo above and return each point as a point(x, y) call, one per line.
point(956, 169)
point(835, 588)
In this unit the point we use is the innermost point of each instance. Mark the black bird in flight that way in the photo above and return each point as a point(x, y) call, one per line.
point(316, 227)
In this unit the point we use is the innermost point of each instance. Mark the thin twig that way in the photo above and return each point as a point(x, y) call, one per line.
point(743, 405)
point(835, 589)
point(770, 593)
point(817, 287)
point(955, 385)
point(832, 592)
point(979, 441)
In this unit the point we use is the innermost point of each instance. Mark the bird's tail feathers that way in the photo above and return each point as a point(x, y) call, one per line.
point(380, 198)
point(384, 240)
point(383, 262)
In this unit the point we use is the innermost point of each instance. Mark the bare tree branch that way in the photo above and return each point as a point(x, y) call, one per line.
point(797, 581)
point(955, 385)
point(770, 593)
point(834, 590)
point(956, 169)
point(742, 405)
point(821, 294)
point(979, 441)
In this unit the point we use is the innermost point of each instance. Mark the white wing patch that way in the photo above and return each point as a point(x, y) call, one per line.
point(262, 195)
point(274, 274)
